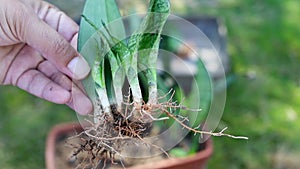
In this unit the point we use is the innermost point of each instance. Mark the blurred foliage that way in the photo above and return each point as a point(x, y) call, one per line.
point(24, 124)
point(263, 103)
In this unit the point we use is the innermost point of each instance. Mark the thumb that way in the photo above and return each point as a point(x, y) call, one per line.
point(53, 46)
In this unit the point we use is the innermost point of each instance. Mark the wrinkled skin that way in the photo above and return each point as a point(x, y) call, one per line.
point(37, 53)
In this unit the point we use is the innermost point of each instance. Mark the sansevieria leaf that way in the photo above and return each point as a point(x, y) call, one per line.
point(94, 49)
point(99, 11)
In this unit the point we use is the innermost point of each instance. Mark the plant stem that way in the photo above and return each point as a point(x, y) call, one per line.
point(145, 43)
point(128, 61)
point(117, 72)
point(98, 75)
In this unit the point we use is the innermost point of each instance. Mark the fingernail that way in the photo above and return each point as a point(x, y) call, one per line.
point(79, 67)
point(86, 106)
point(81, 103)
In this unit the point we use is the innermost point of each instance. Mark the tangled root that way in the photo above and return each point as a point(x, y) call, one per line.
point(105, 140)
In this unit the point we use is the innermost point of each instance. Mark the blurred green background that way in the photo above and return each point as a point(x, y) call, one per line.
point(263, 102)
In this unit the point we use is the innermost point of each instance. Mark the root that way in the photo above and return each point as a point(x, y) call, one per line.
point(197, 131)
point(105, 140)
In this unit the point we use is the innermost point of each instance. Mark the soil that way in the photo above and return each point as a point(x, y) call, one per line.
point(102, 143)
point(65, 160)
point(64, 154)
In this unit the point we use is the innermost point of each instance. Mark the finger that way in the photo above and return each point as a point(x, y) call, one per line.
point(51, 44)
point(64, 25)
point(26, 58)
point(47, 12)
point(39, 85)
point(79, 101)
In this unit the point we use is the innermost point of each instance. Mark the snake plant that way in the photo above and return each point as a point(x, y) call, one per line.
point(134, 58)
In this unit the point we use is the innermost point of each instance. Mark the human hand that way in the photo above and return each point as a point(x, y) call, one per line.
point(37, 53)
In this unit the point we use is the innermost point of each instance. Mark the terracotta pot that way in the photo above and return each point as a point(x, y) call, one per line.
point(197, 161)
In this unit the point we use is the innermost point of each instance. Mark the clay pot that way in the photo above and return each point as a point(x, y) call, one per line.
point(197, 161)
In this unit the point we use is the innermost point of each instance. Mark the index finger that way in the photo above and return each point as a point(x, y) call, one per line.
point(53, 43)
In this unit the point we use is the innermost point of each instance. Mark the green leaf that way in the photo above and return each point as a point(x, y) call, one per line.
point(178, 152)
point(99, 11)
point(146, 41)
